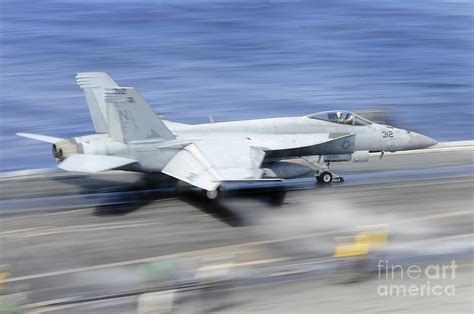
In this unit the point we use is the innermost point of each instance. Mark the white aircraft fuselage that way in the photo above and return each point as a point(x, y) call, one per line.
point(130, 136)
point(154, 156)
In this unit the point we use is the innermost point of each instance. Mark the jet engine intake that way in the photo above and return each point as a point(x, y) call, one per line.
point(360, 156)
point(337, 158)
point(357, 156)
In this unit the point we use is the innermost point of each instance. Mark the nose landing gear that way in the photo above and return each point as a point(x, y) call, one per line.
point(326, 177)
point(322, 173)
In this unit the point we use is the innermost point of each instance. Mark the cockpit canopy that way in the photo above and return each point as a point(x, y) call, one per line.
point(340, 117)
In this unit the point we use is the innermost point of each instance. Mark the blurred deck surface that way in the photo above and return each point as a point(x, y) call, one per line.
point(64, 240)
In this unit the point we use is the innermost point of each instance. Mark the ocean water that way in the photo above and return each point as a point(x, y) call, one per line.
point(235, 60)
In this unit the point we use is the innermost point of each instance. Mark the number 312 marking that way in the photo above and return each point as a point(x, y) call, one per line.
point(386, 134)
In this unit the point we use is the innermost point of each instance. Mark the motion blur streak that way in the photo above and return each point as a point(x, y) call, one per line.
point(236, 60)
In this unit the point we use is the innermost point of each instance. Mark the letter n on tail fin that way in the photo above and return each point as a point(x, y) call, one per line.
point(131, 119)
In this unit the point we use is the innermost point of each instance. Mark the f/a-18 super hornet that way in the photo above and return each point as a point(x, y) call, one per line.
point(131, 136)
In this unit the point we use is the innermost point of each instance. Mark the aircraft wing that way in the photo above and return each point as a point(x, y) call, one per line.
point(297, 145)
point(288, 141)
point(208, 163)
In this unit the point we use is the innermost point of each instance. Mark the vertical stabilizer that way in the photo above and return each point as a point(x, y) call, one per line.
point(131, 119)
point(94, 84)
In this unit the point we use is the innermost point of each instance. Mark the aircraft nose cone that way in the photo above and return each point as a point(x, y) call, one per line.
point(419, 141)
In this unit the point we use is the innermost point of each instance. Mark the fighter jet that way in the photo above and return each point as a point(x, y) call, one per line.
point(131, 136)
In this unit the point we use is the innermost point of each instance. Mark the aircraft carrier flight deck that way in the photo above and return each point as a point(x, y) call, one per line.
point(98, 243)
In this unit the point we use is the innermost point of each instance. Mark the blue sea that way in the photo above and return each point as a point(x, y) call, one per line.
point(235, 60)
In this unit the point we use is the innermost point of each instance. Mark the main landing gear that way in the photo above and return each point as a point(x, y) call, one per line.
point(213, 195)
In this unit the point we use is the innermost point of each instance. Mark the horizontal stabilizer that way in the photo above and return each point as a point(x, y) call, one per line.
point(41, 138)
point(93, 163)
